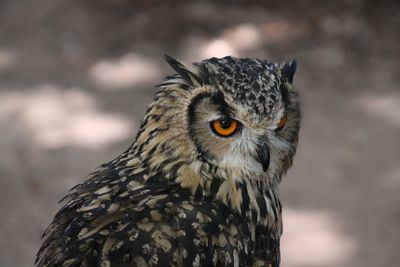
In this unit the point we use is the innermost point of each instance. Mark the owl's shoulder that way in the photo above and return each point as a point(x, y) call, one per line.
point(136, 221)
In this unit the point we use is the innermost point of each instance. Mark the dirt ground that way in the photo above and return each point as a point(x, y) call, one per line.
point(76, 76)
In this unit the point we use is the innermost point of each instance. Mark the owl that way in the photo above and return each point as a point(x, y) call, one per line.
point(199, 185)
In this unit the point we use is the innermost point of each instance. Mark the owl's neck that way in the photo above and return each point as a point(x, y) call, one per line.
point(256, 200)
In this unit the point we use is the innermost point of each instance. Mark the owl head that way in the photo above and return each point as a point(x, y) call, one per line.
point(235, 114)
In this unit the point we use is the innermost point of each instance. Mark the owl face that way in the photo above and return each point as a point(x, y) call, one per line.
point(242, 114)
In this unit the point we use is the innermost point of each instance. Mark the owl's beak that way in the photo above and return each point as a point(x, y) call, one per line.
point(263, 156)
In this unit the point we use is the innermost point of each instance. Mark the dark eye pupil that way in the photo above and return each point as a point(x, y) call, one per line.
point(226, 123)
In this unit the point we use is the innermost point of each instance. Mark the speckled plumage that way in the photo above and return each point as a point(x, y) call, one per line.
point(181, 196)
point(252, 82)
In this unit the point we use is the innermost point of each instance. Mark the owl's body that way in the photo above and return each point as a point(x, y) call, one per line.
point(199, 185)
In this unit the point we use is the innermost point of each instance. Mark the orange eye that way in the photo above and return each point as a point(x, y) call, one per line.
point(281, 123)
point(224, 127)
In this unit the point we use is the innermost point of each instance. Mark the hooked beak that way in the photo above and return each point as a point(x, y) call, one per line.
point(263, 155)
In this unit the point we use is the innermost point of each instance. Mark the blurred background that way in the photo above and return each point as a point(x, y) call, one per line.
point(76, 77)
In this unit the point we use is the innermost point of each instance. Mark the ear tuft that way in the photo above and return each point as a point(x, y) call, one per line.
point(289, 69)
point(184, 71)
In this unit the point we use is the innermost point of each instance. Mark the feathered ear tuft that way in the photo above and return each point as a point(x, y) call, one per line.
point(289, 69)
point(184, 71)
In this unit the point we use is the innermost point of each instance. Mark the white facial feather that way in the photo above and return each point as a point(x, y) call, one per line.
point(241, 154)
